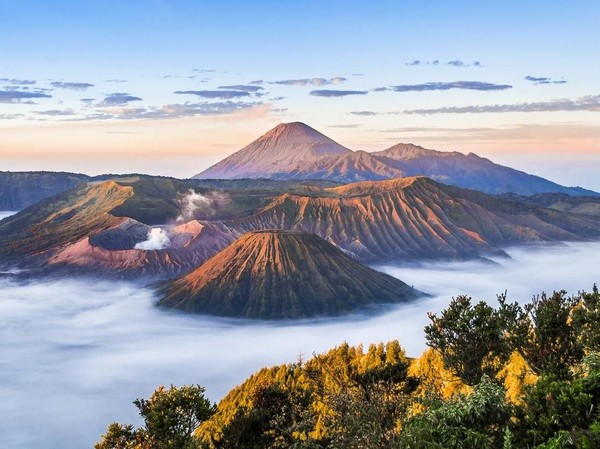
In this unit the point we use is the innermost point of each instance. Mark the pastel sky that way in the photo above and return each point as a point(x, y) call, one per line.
point(169, 87)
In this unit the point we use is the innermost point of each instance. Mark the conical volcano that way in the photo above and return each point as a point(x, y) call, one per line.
point(278, 150)
point(282, 275)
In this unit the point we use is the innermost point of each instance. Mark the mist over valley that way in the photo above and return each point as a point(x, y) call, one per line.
point(75, 353)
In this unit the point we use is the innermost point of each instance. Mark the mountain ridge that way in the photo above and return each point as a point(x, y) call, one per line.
point(340, 164)
point(395, 220)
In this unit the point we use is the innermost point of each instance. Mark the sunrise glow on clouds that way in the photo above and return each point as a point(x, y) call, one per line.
point(169, 87)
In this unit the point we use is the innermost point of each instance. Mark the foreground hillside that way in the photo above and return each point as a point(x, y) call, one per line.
point(499, 377)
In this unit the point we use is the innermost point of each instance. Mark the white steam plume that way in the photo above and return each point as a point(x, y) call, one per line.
point(157, 239)
point(190, 203)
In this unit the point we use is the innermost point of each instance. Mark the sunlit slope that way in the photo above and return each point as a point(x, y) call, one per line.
point(95, 227)
point(63, 219)
point(416, 218)
point(275, 152)
point(282, 275)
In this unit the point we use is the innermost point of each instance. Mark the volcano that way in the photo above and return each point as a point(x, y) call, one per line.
point(282, 275)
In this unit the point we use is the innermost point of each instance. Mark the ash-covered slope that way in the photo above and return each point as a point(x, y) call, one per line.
point(101, 227)
point(282, 275)
point(281, 148)
point(62, 219)
point(415, 218)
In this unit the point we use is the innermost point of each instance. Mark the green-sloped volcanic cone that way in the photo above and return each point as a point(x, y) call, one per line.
point(282, 275)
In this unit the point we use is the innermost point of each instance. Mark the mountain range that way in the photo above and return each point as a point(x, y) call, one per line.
point(105, 227)
point(281, 228)
point(297, 151)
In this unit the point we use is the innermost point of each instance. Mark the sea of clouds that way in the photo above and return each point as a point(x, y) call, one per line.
point(75, 353)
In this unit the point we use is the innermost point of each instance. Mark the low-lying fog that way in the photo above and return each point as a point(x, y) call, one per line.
point(75, 353)
point(4, 214)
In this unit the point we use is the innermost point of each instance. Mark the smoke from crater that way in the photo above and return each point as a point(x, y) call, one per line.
point(157, 239)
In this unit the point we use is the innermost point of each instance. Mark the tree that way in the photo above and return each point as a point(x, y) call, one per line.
point(560, 411)
point(172, 415)
point(118, 436)
point(276, 419)
point(478, 421)
point(553, 345)
point(476, 340)
point(170, 418)
point(585, 318)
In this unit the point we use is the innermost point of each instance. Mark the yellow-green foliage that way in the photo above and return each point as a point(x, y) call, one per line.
point(434, 378)
point(322, 376)
point(516, 375)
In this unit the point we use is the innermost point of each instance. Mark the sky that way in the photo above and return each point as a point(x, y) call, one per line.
point(170, 87)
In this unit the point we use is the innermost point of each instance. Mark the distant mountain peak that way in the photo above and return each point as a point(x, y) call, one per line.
point(297, 129)
point(408, 151)
point(275, 151)
point(297, 151)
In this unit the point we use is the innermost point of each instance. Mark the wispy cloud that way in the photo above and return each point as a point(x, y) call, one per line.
point(170, 111)
point(22, 97)
point(349, 126)
point(525, 133)
point(588, 103)
point(543, 80)
point(365, 113)
point(437, 62)
point(465, 85)
point(118, 98)
point(374, 113)
point(331, 93)
point(17, 82)
point(187, 110)
point(243, 87)
point(216, 94)
point(10, 116)
point(56, 112)
point(115, 80)
point(70, 85)
point(311, 81)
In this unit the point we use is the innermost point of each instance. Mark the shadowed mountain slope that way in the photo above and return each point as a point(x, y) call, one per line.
point(282, 275)
point(21, 189)
point(468, 171)
point(588, 205)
